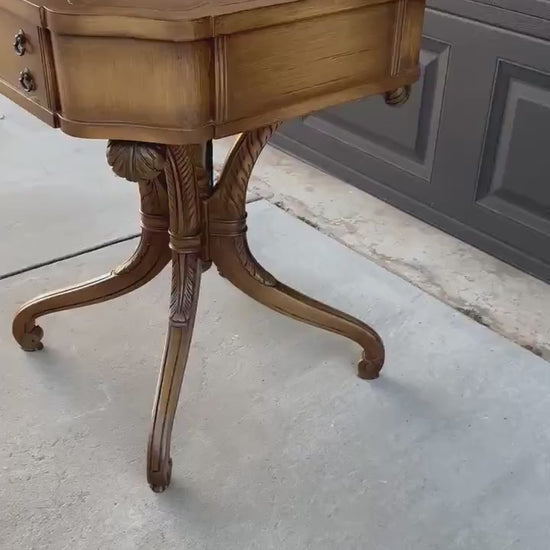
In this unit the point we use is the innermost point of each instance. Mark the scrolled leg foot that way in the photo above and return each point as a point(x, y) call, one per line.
point(139, 162)
point(238, 265)
point(149, 259)
point(369, 368)
point(231, 254)
point(160, 480)
point(29, 338)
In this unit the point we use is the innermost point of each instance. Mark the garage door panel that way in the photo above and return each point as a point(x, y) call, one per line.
point(405, 136)
point(515, 175)
point(469, 153)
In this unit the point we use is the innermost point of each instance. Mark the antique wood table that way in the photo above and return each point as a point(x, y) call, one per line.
point(160, 79)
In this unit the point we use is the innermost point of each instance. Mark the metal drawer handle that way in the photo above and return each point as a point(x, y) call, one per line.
point(27, 80)
point(20, 43)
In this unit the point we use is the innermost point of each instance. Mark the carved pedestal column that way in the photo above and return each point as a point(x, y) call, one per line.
point(186, 220)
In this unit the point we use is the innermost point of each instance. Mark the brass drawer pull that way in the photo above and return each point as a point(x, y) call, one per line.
point(27, 80)
point(20, 43)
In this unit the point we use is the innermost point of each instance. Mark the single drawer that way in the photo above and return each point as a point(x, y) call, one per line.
point(22, 46)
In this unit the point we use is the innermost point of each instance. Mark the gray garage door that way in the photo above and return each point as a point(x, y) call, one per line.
point(470, 152)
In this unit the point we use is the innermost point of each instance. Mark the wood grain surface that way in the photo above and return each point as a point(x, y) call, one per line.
point(186, 71)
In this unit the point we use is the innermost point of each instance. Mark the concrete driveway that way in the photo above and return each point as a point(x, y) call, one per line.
point(277, 444)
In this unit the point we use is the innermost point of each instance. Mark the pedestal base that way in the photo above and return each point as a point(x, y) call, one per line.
point(187, 220)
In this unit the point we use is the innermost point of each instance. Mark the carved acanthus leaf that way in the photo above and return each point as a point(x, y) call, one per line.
point(231, 189)
point(184, 288)
point(250, 264)
point(154, 199)
point(182, 192)
point(201, 157)
point(136, 161)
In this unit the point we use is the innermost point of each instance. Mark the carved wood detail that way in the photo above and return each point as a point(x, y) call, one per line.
point(185, 218)
point(165, 78)
point(184, 300)
point(151, 256)
point(200, 157)
point(183, 182)
point(230, 252)
point(228, 203)
point(136, 161)
point(250, 264)
point(183, 196)
point(143, 163)
point(148, 248)
point(229, 199)
point(183, 289)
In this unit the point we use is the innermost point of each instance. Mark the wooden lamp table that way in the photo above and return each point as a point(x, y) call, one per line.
point(160, 79)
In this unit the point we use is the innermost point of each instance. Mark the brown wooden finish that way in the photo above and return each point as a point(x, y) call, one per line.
point(150, 257)
point(13, 63)
point(159, 79)
point(26, 49)
point(200, 224)
point(231, 254)
point(182, 20)
point(262, 78)
point(177, 96)
point(220, 67)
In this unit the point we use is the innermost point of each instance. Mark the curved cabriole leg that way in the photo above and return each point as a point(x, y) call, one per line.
point(237, 264)
point(229, 251)
point(185, 241)
point(148, 260)
point(150, 257)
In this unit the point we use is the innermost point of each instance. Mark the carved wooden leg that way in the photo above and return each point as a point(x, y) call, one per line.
point(185, 241)
point(150, 257)
point(229, 251)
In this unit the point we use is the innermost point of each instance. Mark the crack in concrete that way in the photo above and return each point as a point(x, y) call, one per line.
point(57, 259)
point(398, 266)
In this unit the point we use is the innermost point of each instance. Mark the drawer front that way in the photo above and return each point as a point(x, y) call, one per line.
point(24, 59)
point(318, 61)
